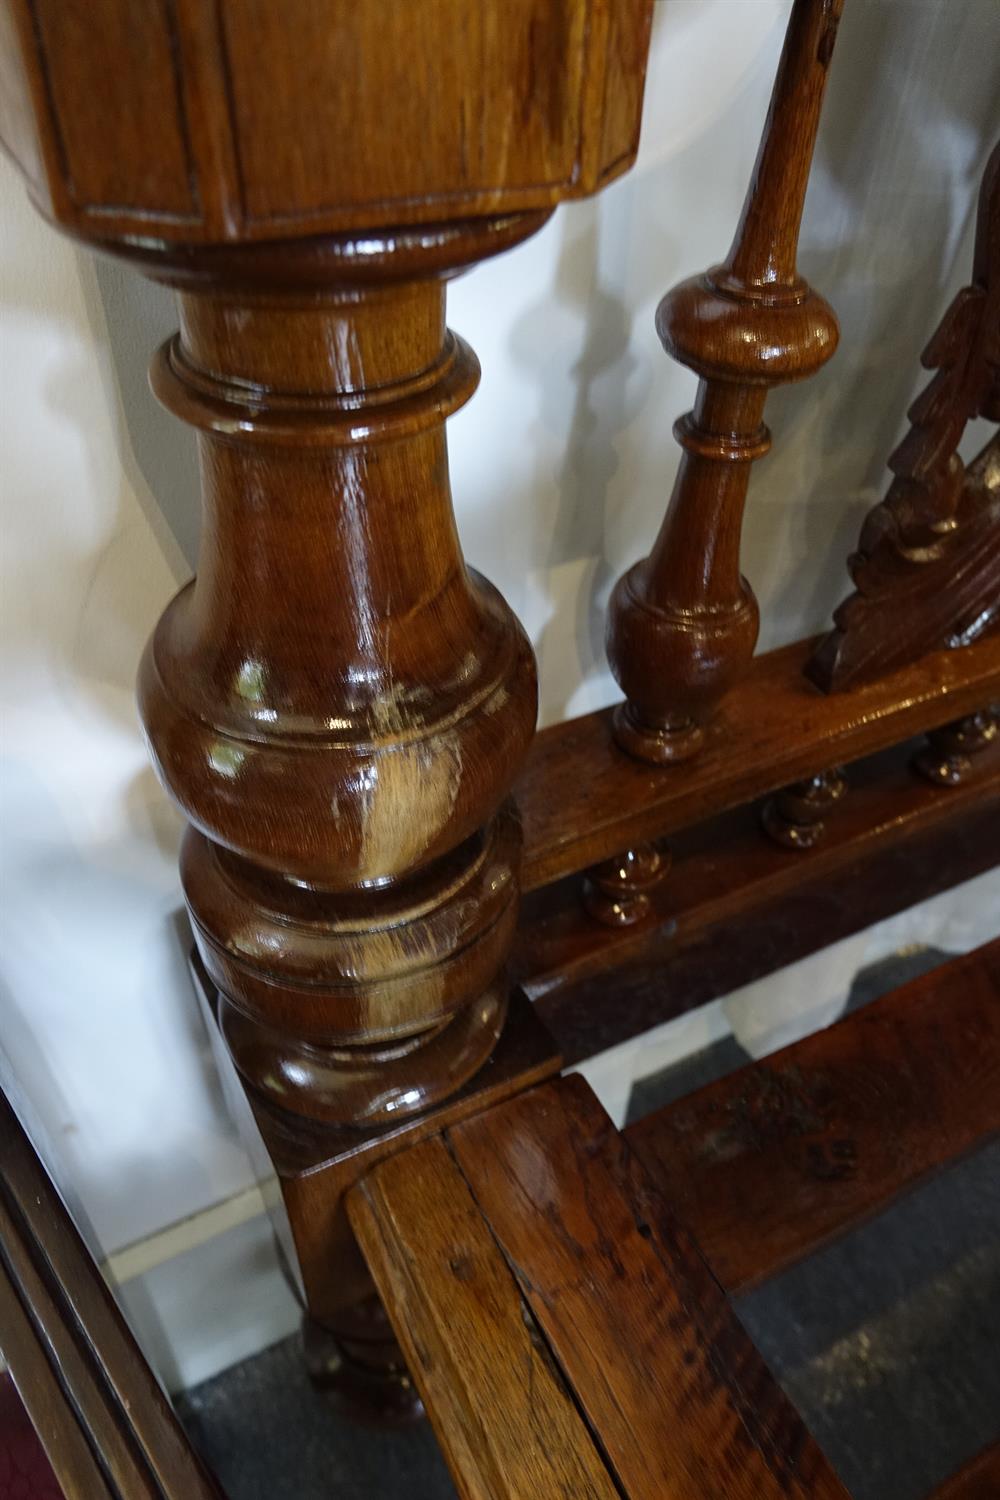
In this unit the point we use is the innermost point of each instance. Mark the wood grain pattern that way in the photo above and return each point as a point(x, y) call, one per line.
point(977, 1480)
point(105, 1424)
point(582, 800)
point(770, 1163)
point(681, 1402)
point(500, 1409)
point(317, 1165)
point(200, 122)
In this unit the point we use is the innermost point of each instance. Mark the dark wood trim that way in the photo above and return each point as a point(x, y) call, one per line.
point(583, 800)
point(105, 1424)
point(977, 1480)
point(769, 1164)
point(725, 868)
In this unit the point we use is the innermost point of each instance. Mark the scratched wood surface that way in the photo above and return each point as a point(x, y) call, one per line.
point(502, 1413)
point(681, 1402)
point(773, 1161)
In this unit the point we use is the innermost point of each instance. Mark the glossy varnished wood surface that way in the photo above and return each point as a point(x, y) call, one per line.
point(682, 622)
point(726, 868)
point(582, 799)
point(676, 1397)
point(105, 1424)
point(506, 1422)
point(770, 1163)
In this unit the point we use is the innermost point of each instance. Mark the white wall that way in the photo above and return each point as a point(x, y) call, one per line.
point(561, 466)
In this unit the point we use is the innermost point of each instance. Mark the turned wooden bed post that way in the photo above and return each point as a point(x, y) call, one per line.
point(337, 703)
point(682, 624)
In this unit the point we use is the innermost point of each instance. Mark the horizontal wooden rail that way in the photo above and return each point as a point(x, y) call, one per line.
point(767, 1165)
point(582, 799)
point(691, 965)
point(723, 868)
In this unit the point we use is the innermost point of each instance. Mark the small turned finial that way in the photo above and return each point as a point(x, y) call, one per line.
point(946, 758)
point(616, 893)
point(796, 816)
point(683, 622)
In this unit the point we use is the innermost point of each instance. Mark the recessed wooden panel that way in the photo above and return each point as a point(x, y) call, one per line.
point(115, 90)
point(341, 103)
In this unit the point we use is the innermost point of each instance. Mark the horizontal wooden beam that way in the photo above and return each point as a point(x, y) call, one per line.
point(582, 799)
point(770, 1163)
point(694, 966)
point(726, 872)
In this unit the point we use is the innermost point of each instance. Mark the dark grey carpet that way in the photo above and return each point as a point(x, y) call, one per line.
point(269, 1436)
point(888, 1342)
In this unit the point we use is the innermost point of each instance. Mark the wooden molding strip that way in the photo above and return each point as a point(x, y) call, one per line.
point(769, 1164)
point(583, 800)
point(107, 1428)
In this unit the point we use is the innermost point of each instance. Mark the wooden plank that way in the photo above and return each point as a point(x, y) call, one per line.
point(506, 1423)
point(679, 1398)
point(978, 1480)
point(583, 800)
point(724, 867)
point(105, 1424)
point(767, 1165)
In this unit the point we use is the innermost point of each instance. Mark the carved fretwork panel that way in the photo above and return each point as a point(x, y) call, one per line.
point(927, 568)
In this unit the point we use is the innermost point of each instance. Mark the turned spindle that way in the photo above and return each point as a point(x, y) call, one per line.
point(617, 892)
point(796, 816)
point(946, 759)
point(683, 622)
point(337, 703)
